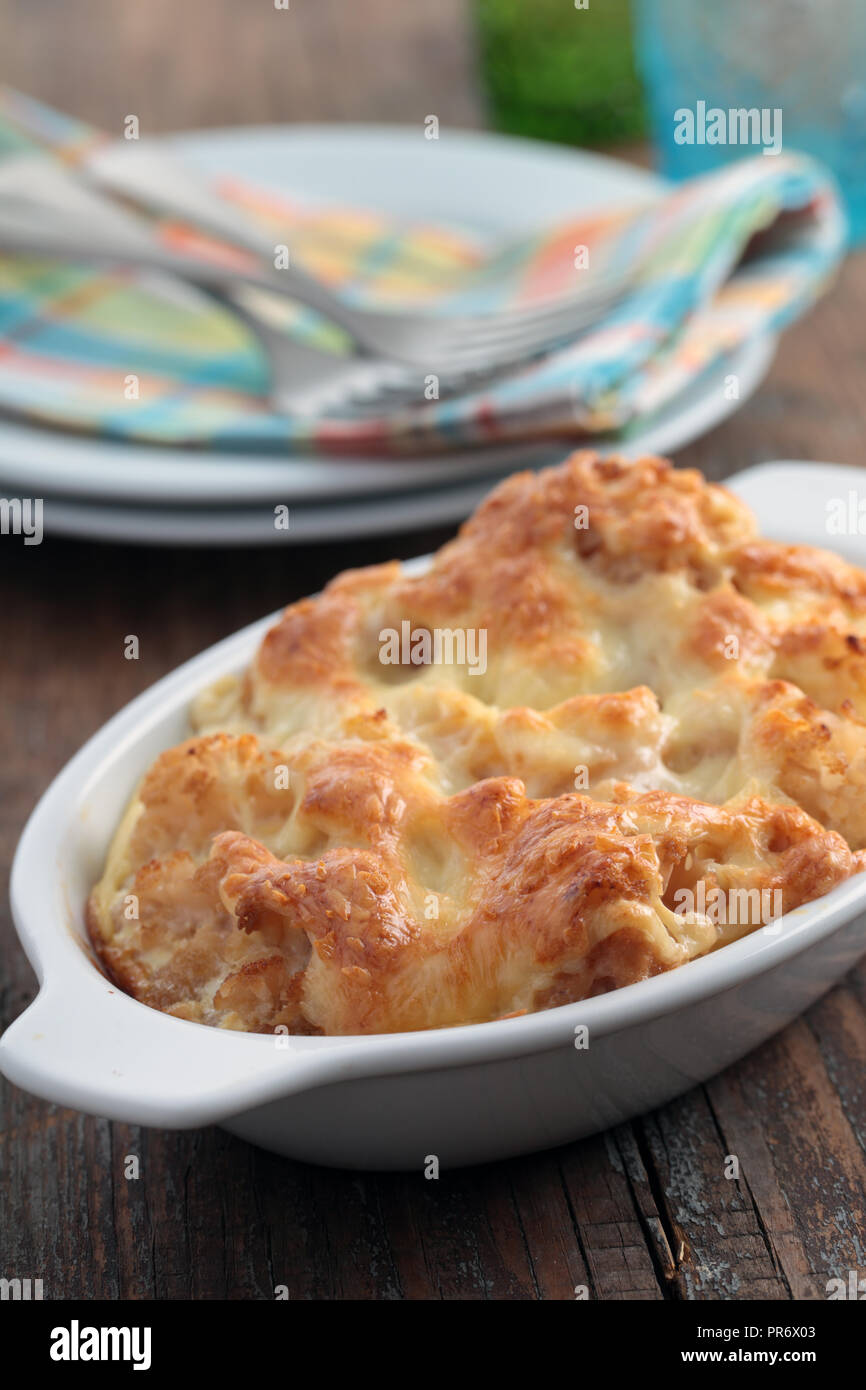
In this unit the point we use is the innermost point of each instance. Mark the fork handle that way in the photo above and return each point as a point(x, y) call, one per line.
point(26, 233)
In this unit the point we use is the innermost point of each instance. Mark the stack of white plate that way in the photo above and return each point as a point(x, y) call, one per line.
point(487, 184)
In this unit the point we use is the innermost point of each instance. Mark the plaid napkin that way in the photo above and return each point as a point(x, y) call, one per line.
point(723, 259)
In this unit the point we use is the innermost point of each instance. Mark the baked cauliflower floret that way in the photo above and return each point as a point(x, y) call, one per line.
point(628, 731)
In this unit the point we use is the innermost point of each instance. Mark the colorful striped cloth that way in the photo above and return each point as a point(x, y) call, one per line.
point(723, 259)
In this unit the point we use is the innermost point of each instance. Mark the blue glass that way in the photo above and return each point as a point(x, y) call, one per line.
point(798, 65)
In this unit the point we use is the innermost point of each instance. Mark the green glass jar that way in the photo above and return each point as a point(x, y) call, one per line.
point(557, 70)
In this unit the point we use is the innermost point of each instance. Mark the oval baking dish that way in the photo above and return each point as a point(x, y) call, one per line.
point(466, 1094)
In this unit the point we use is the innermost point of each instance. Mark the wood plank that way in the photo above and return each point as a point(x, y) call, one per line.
point(782, 1116)
point(552, 1240)
point(714, 1228)
point(838, 1024)
point(473, 1246)
point(609, 1225)
point(321, 60)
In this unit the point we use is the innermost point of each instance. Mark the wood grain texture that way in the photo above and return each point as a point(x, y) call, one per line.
point(645, 1211)
point(226, 62)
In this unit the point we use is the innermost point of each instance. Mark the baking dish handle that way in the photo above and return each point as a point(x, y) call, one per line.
point(95, 1049)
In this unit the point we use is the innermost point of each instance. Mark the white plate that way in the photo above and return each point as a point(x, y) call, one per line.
point(343, 517)
point(464, 178)
point(466, 1094)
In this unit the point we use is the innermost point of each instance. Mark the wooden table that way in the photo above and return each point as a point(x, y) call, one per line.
point(642, 1212)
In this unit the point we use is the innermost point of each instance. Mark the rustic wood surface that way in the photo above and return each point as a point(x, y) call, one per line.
point(641, 1212)
point(221, 62)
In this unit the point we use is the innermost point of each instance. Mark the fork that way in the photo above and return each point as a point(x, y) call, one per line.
point(304, 379)
point(442, 344)
point(439, 342)
point(48, 211)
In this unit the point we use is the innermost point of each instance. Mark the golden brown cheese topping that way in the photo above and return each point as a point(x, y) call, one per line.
point(610, 729)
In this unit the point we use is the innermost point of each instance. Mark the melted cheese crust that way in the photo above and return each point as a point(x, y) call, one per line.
point(671, 711)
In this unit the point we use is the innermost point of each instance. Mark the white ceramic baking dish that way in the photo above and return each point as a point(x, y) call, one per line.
point(464, 1094)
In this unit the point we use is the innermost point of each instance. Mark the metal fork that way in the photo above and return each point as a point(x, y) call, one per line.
point(440, 343)
point(307, 380)
point(304, 379)
point(46, 211)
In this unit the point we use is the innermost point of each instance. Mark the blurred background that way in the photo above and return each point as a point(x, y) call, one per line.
point(526, 67)
point(380, 60)
point(605, 76)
